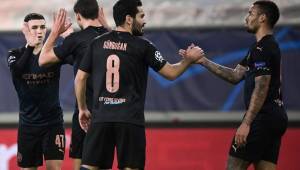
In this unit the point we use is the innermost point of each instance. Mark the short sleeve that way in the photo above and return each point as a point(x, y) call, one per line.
point(261, 60)
point(153, 57)
point(64, 50)
point(243, 62)
point(86, 62)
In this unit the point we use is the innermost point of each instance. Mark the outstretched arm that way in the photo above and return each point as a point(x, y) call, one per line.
point(233, 76)
point(47, 56)
point(172, 71)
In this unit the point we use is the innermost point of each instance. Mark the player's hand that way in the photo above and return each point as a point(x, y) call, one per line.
point(69, 31)
point(59, 22)
point(242, 134)
point(84, 119)
point(192, 53)
point(31, 39)
point(102, 19)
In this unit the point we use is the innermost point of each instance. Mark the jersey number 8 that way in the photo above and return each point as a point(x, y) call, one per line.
point(112, 73)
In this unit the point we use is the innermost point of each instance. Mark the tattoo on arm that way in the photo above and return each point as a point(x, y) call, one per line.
point(228, 74)
point(258, 97)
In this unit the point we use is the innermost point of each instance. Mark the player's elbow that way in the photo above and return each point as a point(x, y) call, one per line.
point(170, 77)
point(80, 77)
point(234, 82)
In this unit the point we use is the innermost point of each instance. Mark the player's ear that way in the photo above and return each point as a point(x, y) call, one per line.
point(129, 20)
point(262, 18)
point(78, 17)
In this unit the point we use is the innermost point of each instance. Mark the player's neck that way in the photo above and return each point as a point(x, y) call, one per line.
point(37, 49)
point(263, 31)
point(94, 23)
point(123, 29)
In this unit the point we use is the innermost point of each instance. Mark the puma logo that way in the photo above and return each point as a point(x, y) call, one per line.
point(60, 150)
point(259, 48)
point(234, 147)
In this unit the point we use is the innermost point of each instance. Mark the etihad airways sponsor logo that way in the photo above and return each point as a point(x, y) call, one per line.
point(37, 79)
point(33, 76)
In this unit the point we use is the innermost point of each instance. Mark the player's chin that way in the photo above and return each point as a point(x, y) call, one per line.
point(41, 39)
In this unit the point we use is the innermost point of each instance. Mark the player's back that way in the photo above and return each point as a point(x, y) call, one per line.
point(76, 45)
point(119, 68)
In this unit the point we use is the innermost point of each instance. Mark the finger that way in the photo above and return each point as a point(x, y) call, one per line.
point(59, 15)
point(68, 21)
point(85, 125)
point(240, 141)
point(68, 26)
point(244, 140)
point(237, 140)
point(62, 16)
point(24, 28)
point(54, 16)
point(101, 12)
point(182, 52)
point(192, 45)
point(82, 125)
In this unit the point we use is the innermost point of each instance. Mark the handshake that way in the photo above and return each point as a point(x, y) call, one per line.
point(193, 54)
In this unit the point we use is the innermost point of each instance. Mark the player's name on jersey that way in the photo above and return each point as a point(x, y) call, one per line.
point(110, 100)
point(115, 45)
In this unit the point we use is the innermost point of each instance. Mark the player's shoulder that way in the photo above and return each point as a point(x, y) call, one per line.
point(77, 34)
point(16, 51)
point(14, 54)
point(101, 37)
point(73, 36)
point(269, 42)
point(144, 41)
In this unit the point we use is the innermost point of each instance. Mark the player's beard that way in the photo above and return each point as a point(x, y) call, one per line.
point(137, 29)
point(252, 29)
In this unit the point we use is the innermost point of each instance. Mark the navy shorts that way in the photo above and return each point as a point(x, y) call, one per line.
point(77, 138)
point(264, 139)
point(102, 139)
point(36, 142)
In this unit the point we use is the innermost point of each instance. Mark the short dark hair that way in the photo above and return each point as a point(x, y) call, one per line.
point(123, 8)
point(87, 8)
point(270, 9)
point(33, 16)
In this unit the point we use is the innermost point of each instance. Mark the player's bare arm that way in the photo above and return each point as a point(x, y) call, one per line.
point(258, 98)
point(80, 91)
point(48, 56)
point(172, 71)
point(230, 75)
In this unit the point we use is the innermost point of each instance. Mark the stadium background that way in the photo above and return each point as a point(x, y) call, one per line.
point(190, 121)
